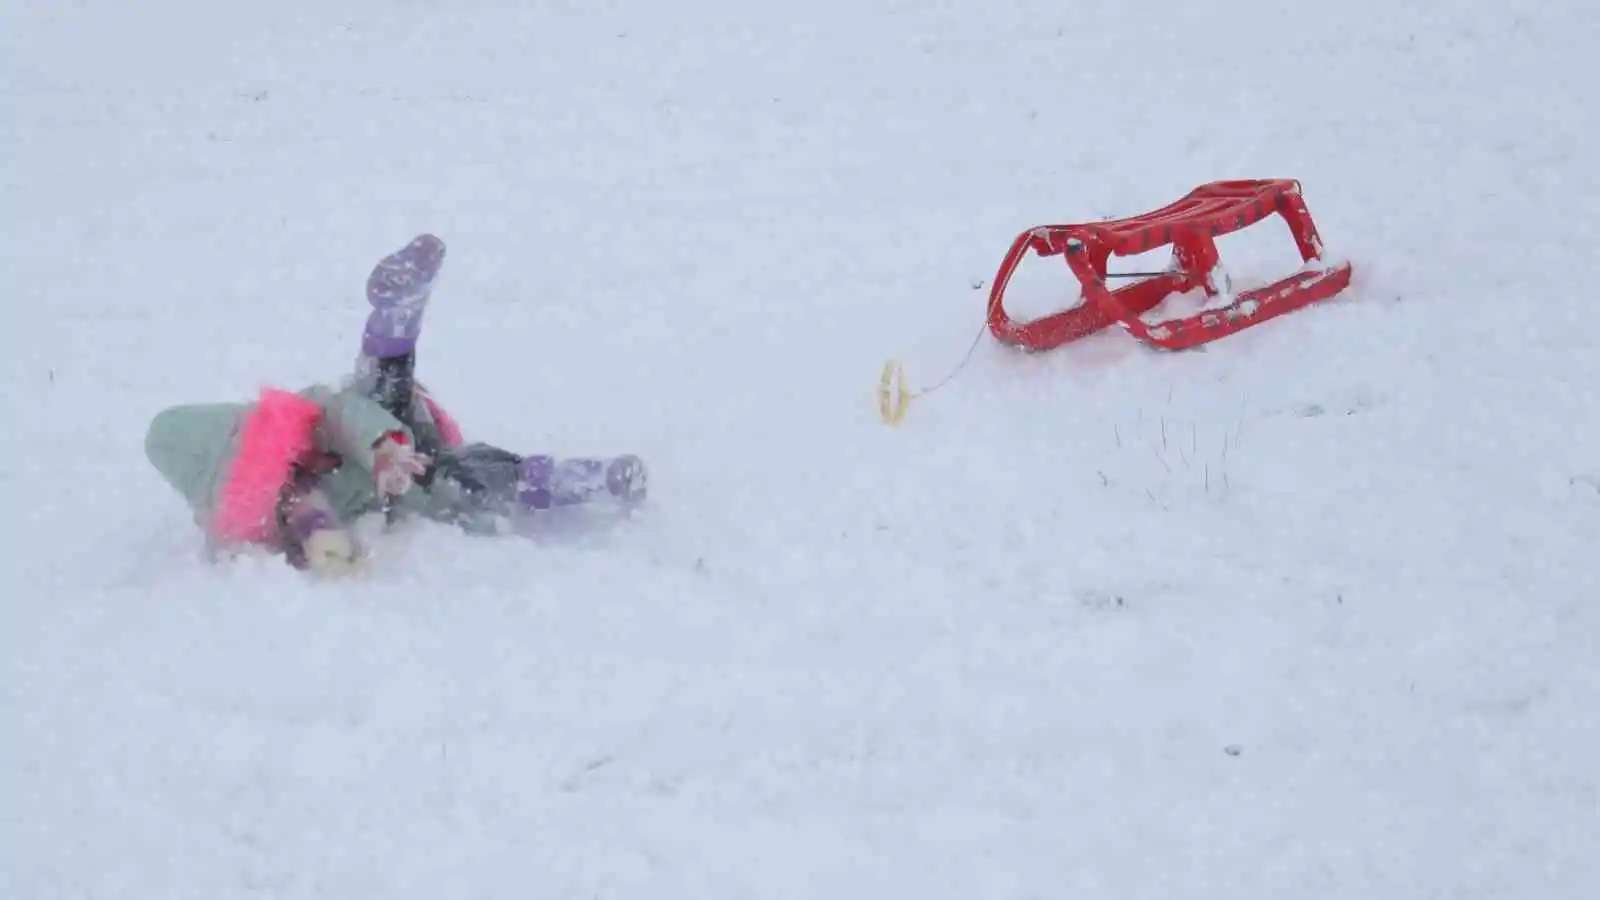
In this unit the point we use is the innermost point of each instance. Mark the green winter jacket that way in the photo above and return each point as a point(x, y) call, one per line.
point(193, 447)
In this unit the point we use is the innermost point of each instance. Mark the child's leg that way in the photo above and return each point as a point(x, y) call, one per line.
point(547, 482)
point(398, 290)
point(469, 482)
point(393, 384)
point(477, 480)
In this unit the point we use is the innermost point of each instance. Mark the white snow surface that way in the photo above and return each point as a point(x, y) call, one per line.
point(1310, 613)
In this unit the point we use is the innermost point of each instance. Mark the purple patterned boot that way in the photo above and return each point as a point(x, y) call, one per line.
point(545, 482)
point(398, 289)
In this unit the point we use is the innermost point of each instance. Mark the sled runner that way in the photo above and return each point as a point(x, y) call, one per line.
point(1190, 225)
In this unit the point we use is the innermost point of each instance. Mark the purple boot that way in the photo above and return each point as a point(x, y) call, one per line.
point(398, 289)
point(545, 482)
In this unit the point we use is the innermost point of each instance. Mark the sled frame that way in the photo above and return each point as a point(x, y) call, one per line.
point(1191, 226)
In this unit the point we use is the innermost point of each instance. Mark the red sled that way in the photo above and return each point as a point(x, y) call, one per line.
point(1191, 226)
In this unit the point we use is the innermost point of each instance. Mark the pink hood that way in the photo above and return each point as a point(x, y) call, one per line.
point(278, 432)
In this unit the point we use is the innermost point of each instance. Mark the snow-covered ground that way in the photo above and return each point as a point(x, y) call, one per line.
point(1309, 614)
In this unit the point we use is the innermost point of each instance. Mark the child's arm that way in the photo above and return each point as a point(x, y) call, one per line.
point(353, 425)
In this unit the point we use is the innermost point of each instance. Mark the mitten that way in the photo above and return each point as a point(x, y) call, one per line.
point(313, 537)
point(331, 552)
point(396, 465)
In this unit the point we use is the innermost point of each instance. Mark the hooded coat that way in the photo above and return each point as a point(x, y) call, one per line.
point(231, 461)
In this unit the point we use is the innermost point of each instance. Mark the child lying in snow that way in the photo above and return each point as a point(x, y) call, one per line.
point(290, 471)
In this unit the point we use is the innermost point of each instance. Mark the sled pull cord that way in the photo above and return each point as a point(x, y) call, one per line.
point(893, 396)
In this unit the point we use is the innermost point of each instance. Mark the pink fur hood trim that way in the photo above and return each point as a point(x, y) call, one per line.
point(280, 430)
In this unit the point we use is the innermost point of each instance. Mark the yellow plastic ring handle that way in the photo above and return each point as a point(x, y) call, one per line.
point(893, 398)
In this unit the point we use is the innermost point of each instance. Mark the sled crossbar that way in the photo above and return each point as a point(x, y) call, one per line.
point(1190, 226)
